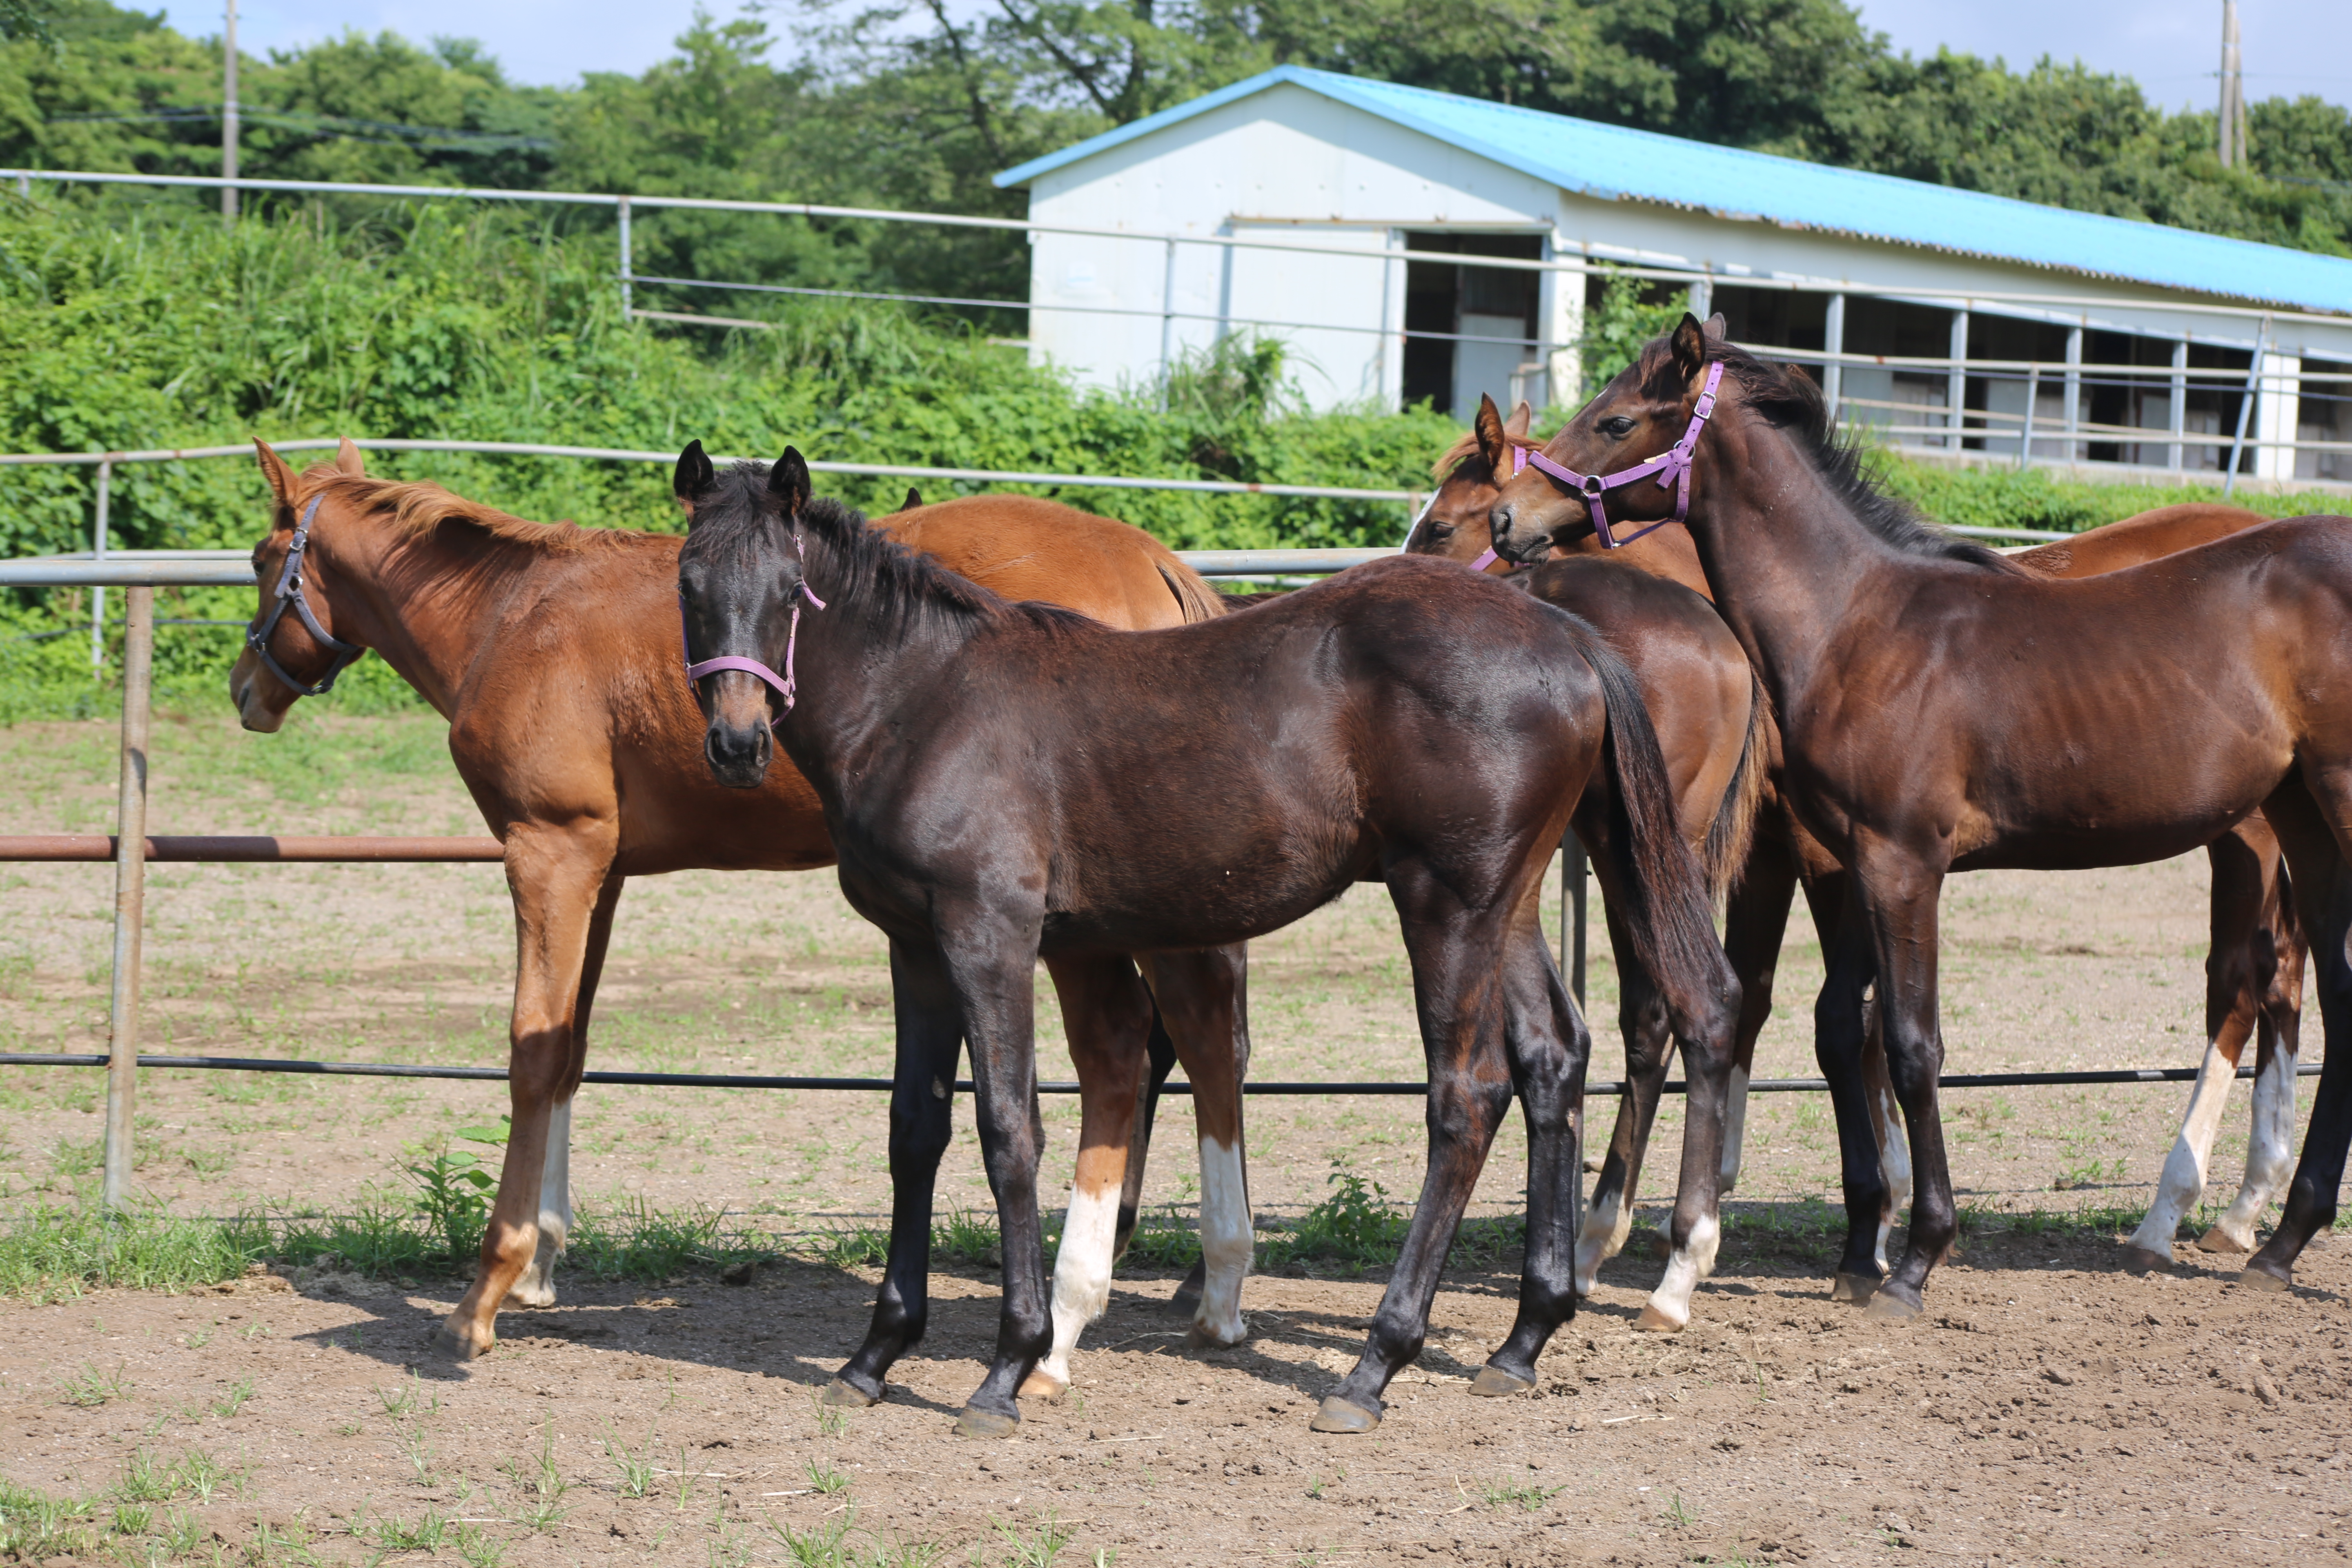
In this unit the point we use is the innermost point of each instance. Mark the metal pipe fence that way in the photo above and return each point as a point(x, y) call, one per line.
point(131, 849)
point(2238, 327)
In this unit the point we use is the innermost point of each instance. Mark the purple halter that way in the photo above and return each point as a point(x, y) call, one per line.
point(1671, 466)
point(785, 684)
point(289, 592)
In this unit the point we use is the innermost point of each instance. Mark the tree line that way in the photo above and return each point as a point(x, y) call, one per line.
point(917, 103)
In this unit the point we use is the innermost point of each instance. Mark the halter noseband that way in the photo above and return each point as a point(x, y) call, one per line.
point(785, 684)
point(1671, 466)
point(289, 592)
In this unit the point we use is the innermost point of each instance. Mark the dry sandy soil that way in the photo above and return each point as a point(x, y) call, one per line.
point(2047, 1409)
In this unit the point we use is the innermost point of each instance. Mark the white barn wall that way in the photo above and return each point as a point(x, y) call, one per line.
point(1288, 162)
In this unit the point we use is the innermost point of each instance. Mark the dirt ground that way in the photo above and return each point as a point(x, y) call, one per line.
point(2048, 1408)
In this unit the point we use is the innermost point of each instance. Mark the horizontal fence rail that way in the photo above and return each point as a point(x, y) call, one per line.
point(1599, 1087)
point(250, 848)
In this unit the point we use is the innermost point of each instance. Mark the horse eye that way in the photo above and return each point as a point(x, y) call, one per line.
point(1617, 425)
point(1440, 529)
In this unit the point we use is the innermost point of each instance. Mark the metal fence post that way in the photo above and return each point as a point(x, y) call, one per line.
point(2246, 406)
point(628, 262)
point(1574, 912)
point(2025, 434)
point(130, 890)
point(1956, 383)
point(98, 550)
point(1834, 355)
point(2073, 392)
point(2179, 385)
point(1167, 324)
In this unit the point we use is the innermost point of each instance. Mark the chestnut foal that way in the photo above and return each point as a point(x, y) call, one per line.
point(554, 653)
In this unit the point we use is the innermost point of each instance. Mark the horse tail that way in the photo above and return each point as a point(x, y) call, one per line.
point(1194, 596)
point(1733, 829)
point(1668, 914)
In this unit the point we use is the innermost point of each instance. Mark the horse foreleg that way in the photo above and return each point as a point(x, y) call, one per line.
point(1901, 896)
point(2270, 1140)
point(930, 1023)
point(554, 878)
point(1108, 1016)
point(1886, 1129)
point(1160, 1061)
point(1840, 1042)
point(1753, 925)
point(1202, 996)
point(537, 1285)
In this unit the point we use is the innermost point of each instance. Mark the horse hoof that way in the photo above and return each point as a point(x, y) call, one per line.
point(1338, 1416)
point(1887, 1304)
point(450, 1345)
point(1201, 1339)
point(1042, 1384)
point(1493, 1383)
point(1654, 1321)
point(1855, 1288)
point(2219, 1240)
point(843, 1394)
point(2256, 1276)
point(972, 1421)
point(2143, 1261)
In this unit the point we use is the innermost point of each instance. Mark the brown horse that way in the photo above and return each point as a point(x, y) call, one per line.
point(1942, 710)
point(1713, 729)
point(1002, 781)
point(2253, 975)
point(554, 653)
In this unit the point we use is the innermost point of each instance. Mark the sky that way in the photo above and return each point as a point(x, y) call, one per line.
point(2172, 47)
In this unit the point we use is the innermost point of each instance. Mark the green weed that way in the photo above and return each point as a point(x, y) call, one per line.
point(91, 1388)
point(1499, 1495)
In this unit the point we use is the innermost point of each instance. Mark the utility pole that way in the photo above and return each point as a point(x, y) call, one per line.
point(228, 118)
point(2233, 91)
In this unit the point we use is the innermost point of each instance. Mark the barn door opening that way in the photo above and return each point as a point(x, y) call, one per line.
point(1470, 329)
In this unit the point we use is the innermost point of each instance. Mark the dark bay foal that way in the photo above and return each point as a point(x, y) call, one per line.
point(1005, 780)
point(1942, 710)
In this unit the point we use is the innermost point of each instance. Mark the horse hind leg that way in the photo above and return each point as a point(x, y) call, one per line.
point(1202, 998)
point(536, 1288)
point(2270, 1142)
point(1108, 1019)
point(1886, 1128)
point(1754, 924)
point(1649, 1049)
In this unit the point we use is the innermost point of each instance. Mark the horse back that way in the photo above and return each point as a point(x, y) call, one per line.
point(1024, 548)
point(2165, 530)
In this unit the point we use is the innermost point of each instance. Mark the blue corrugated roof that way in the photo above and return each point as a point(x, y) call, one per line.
point(1614, 163)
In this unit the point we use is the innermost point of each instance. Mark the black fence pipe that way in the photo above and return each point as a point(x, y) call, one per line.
point(964, 1086)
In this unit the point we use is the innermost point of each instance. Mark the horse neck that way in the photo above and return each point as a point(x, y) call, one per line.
point(412, 594)
point(1781, 548)
point(858, 662)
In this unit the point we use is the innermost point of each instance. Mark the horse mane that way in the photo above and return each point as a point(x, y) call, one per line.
point(418, 506)
point(908, 590)
point(1789, 400)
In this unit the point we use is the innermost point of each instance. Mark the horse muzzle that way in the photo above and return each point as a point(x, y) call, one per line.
point(739, 754)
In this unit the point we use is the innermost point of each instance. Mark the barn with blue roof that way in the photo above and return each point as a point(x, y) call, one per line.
point(1326, 210)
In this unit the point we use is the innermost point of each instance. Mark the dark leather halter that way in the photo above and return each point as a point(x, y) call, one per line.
point(289, 592)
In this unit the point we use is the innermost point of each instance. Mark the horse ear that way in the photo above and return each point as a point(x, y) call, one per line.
point(914, 498)
point(693, 476)
point(1521, 417)
point(1690, 347)
point(274, 469)
point(788, 481)
point(1717, 330)
point(1493, 444)
point(350, 461)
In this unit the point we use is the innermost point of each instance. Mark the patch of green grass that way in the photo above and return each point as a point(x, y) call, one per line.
point(1500, 1495)
point(123, 1523)
point(91, 1388)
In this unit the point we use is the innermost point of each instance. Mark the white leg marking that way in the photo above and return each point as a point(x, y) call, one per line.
point(1670, 1301)
point(537, 1285)
point(1735, 1128)
point(2268, 1154)
point(1081, 1274)
point(1895, 1168)
point(1226, 1245)
point(1607, 1224)
point(2183, 1183)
